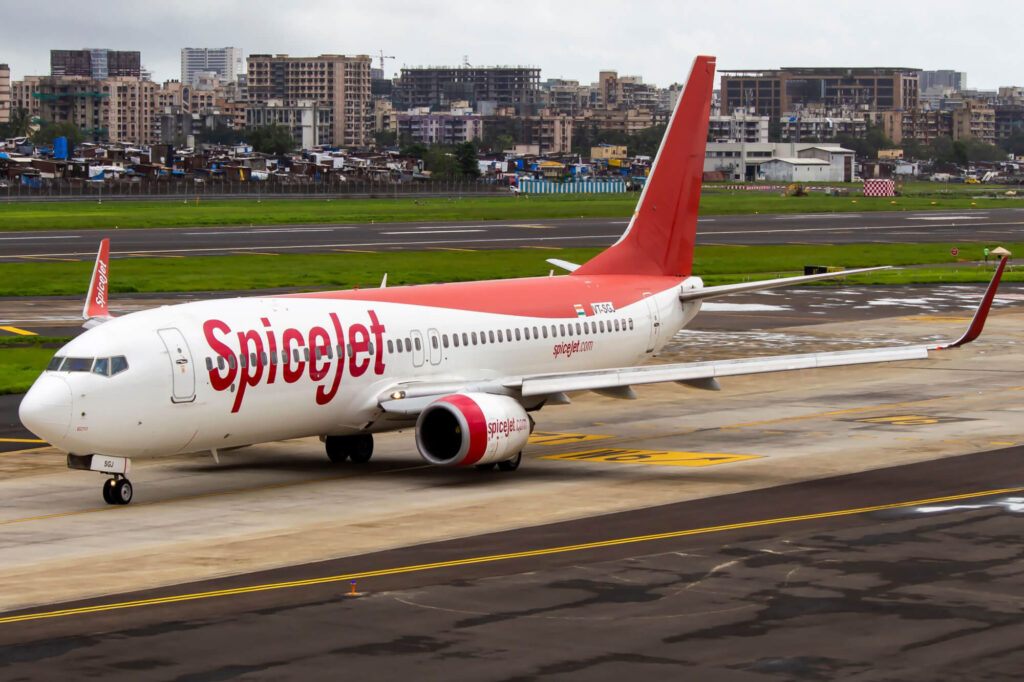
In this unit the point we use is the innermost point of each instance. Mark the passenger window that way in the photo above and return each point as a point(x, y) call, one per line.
point(444, 340)
point(263, 358)
point(296, 355)
point(561, 328)
point(474, 338)
point(554, 331)
point(408, 344)
point(535, 334)
point(600, 325)
point(54, 363)
point(519, 335)
point(305, 353)
point(417, 342)
point(209, 365)
point(78, 364)
point(273, 357)
point(119, 364)
point(455, 340)
point(526, 333)
point(579, 329)
point(233, 362)
point(369, 347)
point(508, 334)
point(252, 358)
point(102, 366)
point(490, 336)
point(433, 342)
point(220, 362)
point(545, 330)
point(391, 347)
point(501, 338)
point(465, 339)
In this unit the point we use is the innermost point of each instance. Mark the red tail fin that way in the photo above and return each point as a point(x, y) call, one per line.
point(96, 299)
point(660, 238)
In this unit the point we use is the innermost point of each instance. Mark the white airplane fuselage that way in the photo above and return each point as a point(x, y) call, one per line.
point(219, 374)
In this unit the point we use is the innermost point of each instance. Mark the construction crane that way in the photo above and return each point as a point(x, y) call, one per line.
point(382, 57)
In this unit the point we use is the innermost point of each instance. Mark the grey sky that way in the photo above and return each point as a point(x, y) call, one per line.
point(568, 39)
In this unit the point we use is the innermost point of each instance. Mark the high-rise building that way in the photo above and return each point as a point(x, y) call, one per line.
point(339, 85)
point(226, 62)
point(773, 93)
point(439, 87)
point(98, 63)
point(5, 93)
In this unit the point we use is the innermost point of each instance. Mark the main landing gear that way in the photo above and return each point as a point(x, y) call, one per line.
point(117, 490)
point(507, 465)
point(358, 448)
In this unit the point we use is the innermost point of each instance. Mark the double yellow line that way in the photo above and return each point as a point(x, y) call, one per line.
point(491, 558)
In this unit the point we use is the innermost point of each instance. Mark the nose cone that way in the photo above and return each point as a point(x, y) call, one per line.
point(46, 408)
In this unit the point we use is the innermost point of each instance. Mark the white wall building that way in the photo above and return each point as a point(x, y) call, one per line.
point(739, 126)
point(227, 62)
point(742, 161)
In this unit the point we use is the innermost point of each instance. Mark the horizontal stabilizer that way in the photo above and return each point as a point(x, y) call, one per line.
point(742, 287)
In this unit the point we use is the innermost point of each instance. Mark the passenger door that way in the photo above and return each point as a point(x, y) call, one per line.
point(183, 388)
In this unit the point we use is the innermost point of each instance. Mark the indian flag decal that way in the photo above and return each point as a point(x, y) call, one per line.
point(580, 311)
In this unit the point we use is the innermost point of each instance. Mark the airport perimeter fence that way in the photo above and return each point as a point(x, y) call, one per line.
point(189, 190)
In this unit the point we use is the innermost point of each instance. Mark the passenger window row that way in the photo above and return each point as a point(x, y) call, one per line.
point(264, 358)
point(508, 335)
point(106, 367)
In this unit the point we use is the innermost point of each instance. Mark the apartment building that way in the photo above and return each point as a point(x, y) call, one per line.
point(976, 118)
point(5, 93)
point(227, 62)
point(739, 126)
point(21, 95)
point(439, 87)
point(805, 127)
point(98, 63)
point(774, 92)
point(549, 130)
point(340, 86)
point(454, 127)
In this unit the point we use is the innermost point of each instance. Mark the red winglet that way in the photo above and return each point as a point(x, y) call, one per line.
point(96, 300)
point(978, 323)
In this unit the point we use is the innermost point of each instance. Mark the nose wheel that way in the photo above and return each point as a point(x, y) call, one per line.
point(117, 490)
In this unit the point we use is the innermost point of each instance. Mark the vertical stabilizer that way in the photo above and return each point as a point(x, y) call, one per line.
point(96, 299)
point(661, 235)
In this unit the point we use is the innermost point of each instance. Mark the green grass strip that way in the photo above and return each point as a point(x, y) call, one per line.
point(139, 214)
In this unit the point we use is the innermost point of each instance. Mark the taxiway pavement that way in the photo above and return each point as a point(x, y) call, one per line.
point(885, 227)
point(840, 592)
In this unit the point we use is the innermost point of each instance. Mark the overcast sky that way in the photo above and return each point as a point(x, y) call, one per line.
point(655, 39)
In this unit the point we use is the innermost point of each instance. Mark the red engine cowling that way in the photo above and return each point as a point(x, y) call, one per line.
point(472, 428)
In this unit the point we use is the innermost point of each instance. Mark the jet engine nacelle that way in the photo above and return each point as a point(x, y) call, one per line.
point(472, 428)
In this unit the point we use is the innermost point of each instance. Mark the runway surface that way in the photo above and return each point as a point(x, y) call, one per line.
point(786, 546)
point(969, 226)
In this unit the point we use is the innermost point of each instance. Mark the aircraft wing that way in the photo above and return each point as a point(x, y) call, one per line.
point(410, 398)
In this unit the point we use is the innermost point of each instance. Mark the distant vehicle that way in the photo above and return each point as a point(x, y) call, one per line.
point(463, 364)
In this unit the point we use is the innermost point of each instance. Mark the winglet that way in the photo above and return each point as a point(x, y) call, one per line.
point(96, 299)
point(981, 314)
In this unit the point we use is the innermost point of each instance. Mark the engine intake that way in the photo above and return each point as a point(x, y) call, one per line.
point(463, 429)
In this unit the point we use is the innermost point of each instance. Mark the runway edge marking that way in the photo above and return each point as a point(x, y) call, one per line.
point(251, 589)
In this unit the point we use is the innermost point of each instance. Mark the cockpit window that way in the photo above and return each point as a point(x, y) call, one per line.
point(118, 364)
point(77, 365)
point(54, 363)
point(101, 367)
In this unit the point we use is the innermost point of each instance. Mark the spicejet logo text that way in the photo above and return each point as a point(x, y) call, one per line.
point(506, 427)
point(253, 343)
point(101, 284)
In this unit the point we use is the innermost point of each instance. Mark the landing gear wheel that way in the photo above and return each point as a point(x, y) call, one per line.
point(122, 492)
point(108, 490)
point(117, 491)
point(484, 467)
point(358, 448)
point(511, 464)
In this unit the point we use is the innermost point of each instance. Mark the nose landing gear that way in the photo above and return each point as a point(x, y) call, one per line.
point(117, 489)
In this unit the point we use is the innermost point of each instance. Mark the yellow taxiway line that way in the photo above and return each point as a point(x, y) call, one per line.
point(491, 558)
point(19, 332)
